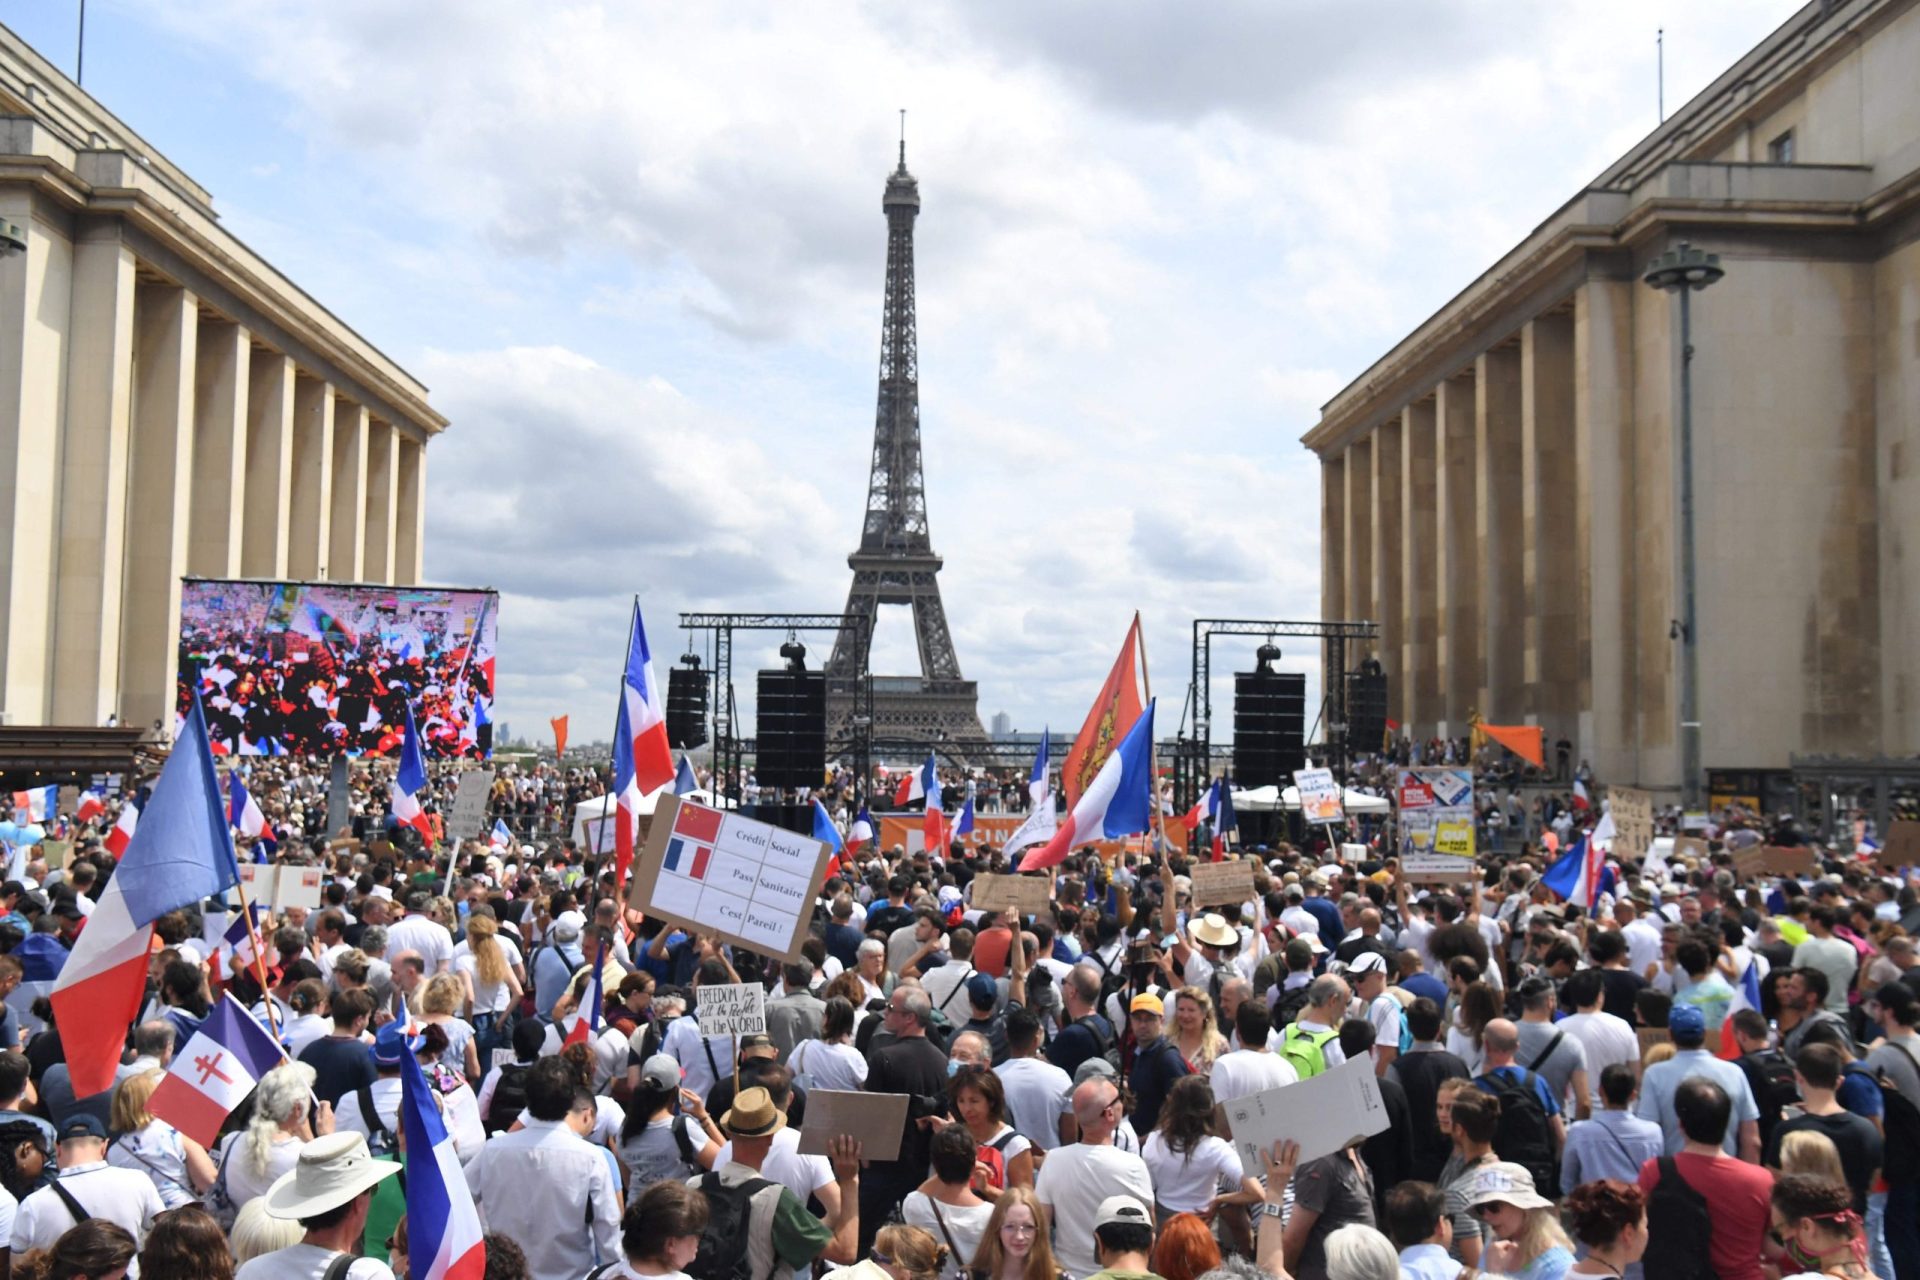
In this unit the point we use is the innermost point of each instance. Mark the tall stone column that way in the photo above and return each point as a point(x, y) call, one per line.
point(1388, 606)
point(1551, 518)
point(1333, 534)
point(263, 552)
point(410, 525)
point(93, 479)
point(167, 333)
point(1419, 569)
point(1604, 525)
point(308, 540)
point(347, 529)
point(1499, 533)
point(35, 296)
point(1457, 570)
point(1358, 539)
point(222, 366)
point(383, 465)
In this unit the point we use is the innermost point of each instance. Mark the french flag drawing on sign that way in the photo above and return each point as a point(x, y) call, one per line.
point(688, 858)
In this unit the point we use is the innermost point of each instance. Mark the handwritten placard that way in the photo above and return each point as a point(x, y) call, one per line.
point(1632, 811)
point(1222, 884)
point(733, 1009)
point(1320, 796)
point(1901, 847)
point(1028, 895)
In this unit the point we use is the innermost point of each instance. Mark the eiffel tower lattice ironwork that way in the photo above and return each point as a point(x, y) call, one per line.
point(896, 563)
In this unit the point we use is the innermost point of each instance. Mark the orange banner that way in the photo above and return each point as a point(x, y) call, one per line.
point(1113, 713)
point(1528, 741)
point(560, 735)
point(907, 830)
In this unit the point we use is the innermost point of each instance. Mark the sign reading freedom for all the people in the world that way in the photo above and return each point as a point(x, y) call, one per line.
point(730, 877)
point(733, 1009)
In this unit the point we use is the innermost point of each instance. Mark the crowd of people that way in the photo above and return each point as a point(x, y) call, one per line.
point(1706, 1074)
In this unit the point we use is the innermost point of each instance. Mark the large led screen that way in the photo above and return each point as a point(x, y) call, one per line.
point(324, 669)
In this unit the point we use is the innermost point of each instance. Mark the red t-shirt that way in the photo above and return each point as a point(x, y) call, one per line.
point(990, 951)
point(1737, 1196)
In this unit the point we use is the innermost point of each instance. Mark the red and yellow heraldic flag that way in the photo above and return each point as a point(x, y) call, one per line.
point(1113, 713)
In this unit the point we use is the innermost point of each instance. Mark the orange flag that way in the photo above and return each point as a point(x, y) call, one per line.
point(560, 735)
point(1528, 741)
point(1113, 713)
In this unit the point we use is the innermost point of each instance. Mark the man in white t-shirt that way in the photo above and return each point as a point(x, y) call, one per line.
point(418, 932)
point(1245, 1072)
point(1607, 1039)
point(1368, 974)
point(1039, 1094)
point(1075, 1179)
point(329, 1191)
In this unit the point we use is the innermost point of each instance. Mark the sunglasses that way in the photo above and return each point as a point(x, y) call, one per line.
point(880, 1258)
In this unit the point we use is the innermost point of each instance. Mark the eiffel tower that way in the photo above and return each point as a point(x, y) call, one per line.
point(896, 563)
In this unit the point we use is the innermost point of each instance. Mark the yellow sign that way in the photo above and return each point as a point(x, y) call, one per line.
point(1455, 838)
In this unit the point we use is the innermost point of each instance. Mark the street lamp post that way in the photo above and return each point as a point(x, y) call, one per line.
point(1685, 270)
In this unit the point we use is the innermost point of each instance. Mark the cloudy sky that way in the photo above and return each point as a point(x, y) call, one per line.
point(636, 251)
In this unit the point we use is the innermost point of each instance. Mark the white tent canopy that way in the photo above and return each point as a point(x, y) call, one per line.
point(599, 807)
point(1269, 798)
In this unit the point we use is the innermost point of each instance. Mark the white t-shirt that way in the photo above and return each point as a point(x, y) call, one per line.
point(1073, 1182)
point(308, 1262)
point(303, 1030)
point(965, 1225)
point(830, 1065)
point(1184, 1183)
point(488, 997)
point(432, 941)
point(242, 1185)
point(1014, 1144)
point(1038, 1094)
point(1607, 1039)
point(802, 1175)
point(1245, 1072)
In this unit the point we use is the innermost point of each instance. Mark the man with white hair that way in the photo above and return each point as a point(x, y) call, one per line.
point(971, 1049)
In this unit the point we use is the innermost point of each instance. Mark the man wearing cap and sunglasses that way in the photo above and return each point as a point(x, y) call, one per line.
point(328, 1193)
point(1079, 1179)
point(87, 1187)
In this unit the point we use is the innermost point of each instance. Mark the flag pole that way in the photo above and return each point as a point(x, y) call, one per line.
point(1153, 764)
point(613, 803)
point(260, 960)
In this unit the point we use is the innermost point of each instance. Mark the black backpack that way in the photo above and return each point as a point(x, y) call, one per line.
point(1679, 1229)
point(1288, 1006)
point(509, 1097)
point(1104, 1045)
point(1770, 1073)
point(723, 1245)
point(1522, 1135)
point(1902, 1125)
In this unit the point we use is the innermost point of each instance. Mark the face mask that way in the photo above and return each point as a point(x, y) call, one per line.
point(953, 1066)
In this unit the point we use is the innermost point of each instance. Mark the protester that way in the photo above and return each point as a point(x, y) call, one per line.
point(946, 1205)
point(1811, 1217)
point(328, 1193)
point(1015, 1244)
point(85, 1187)
point(660, 1231)
point(1528, 1241)
point(1735, 1191)
point(1329, 1193)
point(186, 1244)
point(1194, 1169)
point(178, 1166)
point(1661, 1083)
point(780, 1237)
point(1076, 1180)
point(1608, 1218)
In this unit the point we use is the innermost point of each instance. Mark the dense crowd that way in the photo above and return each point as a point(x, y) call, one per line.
point(1708, 1074)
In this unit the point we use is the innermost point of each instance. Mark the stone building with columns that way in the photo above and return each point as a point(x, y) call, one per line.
point(170, 404)
point(1499, 490)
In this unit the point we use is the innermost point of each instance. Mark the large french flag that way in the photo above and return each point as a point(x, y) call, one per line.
point(586, 1020)
point(1581, 874)
point(1039, 826)
point(215, 1072)
point(1118, 802)
point(410, 782)
point(646, 712)
point(181, 854)
point(916, 784)
point(626, 797)
point(444, 1238)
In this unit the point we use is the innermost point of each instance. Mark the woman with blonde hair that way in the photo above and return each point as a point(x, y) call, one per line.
point(1016, 1245)
point(440, 1003)
point(1196, 1033)
point(251, 1159)
point(901, 1252)
point(1529, 1243)
point(256, 1232)
point(179, 1167)
point(1807, 1151)
point(492, 985)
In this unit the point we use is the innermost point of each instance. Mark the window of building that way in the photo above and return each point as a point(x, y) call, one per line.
point(1780, 150)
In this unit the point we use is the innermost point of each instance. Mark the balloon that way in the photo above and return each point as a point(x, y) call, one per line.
point(8, 831)
point(31, 834)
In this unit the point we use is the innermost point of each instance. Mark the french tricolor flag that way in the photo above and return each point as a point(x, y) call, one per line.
point(37, 805)
point(646, 713)
point(1745, 996)
point(626, 797)
point(123, 828)
point(240, 944)
point(501, 837)
point(92, 805)
point(861, 832)
point(1222, 814)
point(410, 782)
point(243, 814)
point(1581, 874)
point(934, 824)
point(684, 780)
point(1118, 802)
point(586, 1021)
point(826, 833)
point(444, 1238)
point(963, 825)
point(917, 784)
point(215, 1072)
point(182, 854)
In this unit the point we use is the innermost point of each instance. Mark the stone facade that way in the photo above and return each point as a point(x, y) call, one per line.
point(169, 405)
point(1524, 438)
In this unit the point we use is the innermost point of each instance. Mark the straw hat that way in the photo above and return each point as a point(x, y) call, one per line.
point(1212, 930)
point(331, 1171)
point(754, 1115)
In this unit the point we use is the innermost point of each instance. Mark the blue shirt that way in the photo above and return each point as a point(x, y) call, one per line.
point(1425, 984)
point(1516, 1073)
point(1613, 1144)
point(1332, 928)
point(1662, 1080)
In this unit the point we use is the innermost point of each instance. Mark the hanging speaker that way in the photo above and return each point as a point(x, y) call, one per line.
point(1269, 727)
point(790, 735)
point(1367, 709)
point(686, 708)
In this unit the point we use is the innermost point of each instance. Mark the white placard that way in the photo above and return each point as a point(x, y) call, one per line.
point(1332, 1110)
point(733, 1009)
point(298, 887)
point(1320, 798)
point(469, 818)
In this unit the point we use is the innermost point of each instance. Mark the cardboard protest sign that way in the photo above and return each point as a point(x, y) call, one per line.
point(1775, 860)
point(469, 818)
point(1632, 811)
point(734, 1009)
point(1222, 884)
point(1029, 895)
point(877, 1121)
point(54, 853)
point(1690, 847)
point(1320, 796)
point(1901, 848)
point(728, 876)
point(297, 887)
point(1331, 1111)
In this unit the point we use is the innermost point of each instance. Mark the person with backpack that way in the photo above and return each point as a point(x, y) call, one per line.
point(757, 1229)
point(1086, 1033)
point(1532, 1130)
point(1311, 1043)
point(1659, 1086)
point(667, 1132)
point(503, 1094)
point(1707, 1212)
point(1368, 974)
point(1421, 1071)
point(1156, 1062)
point(86, 1187)
point(1288, 997)
point(1819, 1068)
point(1550, 1050)
point(1769, 1072)
point(1896, 1061)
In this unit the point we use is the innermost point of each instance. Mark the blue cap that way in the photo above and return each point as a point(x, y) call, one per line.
point(390, 1045)
point(982, 990)
point(1687, 1024)
point(83, 1124)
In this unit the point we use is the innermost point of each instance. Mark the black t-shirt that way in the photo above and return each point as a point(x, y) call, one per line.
point(887, 918)
point(339, 1067)
point(1622, 988)
point(918, 1068)
point(1854, 1136)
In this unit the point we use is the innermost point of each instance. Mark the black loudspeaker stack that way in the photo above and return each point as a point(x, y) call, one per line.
point(1366, 711)
point(686, 708)
point(790, 738)
point(1269, 727)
